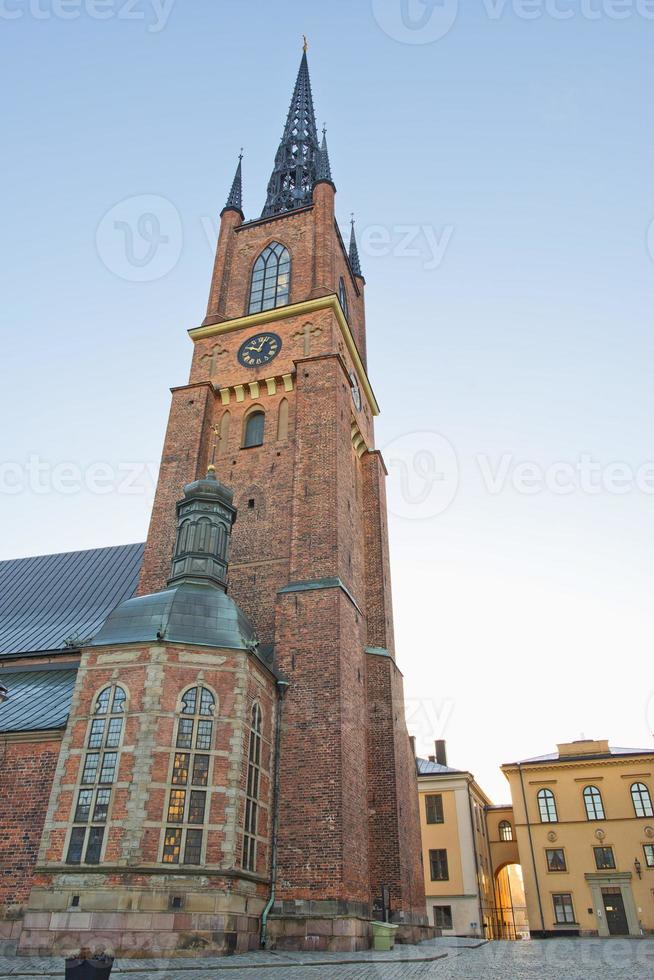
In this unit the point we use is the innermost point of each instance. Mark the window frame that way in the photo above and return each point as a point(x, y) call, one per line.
point(648, 851)
point(556, 850)
point(343, 298)
point(566, 906)
point(593, 804)
point(438, 811)
point(255, 413)
point(270, 258)
point(249, 851)
point(438, 864)
point(503, 827)
point(549, 812)
point(447, 913)
point(641, 797)
point(601, 865)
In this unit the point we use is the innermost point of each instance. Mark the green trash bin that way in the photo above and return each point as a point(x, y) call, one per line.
point(383, 936)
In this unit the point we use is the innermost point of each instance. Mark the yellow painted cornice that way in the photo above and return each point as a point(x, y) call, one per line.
point(255, 320)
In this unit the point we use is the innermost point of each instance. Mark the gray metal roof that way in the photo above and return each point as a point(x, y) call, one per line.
point(47, 600)
point(555, 757)
point(185, 613)
point(38, 698)
point(428, 768)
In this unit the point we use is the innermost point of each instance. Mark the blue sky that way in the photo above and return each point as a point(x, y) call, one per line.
point(502, 180)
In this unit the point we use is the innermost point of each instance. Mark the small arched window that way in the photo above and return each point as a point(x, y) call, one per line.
point(253, 431)
point(642, 800)
point(593, 803)
point(271, 279)
point(547, 806)
point(252, 791)
point(506, 830)
point(342, 295)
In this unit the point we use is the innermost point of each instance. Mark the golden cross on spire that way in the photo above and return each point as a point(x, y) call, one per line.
point(305, 46)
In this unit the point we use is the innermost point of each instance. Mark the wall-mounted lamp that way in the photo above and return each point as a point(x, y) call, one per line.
point(638, 868)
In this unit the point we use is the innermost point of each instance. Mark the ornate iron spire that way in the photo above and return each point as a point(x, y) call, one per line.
point(294, 173)
point(235, 199)
point(354, 251)
point(323, 168)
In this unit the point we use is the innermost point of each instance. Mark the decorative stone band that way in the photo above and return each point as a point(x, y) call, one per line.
point(319, 583)
point(254, 389)
point(329, 302)
point(358, 441)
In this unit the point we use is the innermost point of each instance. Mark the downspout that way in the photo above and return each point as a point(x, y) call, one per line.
point(282, 687)
point(531, 847)
point(474, 848)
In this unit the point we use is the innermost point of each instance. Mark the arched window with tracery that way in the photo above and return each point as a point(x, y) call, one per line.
point(642, 800)
point(547, 806)
point(271, 279)
point(253, 429)
point(342, 296)
point(252, 791)
point(506, 830)
point(187, 811)
point(98, 775)
point(593, 803)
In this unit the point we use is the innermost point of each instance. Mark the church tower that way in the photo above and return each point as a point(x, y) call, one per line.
point(279, 371)
point(260, 782)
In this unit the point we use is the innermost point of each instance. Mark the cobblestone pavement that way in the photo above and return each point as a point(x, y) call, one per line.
point(444, 959)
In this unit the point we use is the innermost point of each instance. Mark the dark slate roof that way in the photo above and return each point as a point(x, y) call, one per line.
point(555, 757)
point(183, 613)
point(428, 768)
point(38, 698)
point(47, 600)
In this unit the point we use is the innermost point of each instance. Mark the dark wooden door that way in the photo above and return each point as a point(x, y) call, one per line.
point(616, 917)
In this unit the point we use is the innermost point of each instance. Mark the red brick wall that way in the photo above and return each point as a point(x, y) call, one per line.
point(27, 773)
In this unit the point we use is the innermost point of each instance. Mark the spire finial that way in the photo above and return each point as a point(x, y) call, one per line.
point(294, 172)
point(305, 46)
point(354, 251)
point(235, 198)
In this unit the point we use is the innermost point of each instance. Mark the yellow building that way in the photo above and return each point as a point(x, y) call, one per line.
point(584, 823)
point(455, 848)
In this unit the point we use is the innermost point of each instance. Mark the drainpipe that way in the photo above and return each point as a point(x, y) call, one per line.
point(477, 873)
point(282, 688)
point(531, 847)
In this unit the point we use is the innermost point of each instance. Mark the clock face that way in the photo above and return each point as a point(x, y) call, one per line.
point(356, 393)
point(260, 349)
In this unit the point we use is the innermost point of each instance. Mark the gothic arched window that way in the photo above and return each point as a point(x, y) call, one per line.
point(271, 279)
point(252, 791)
point(187, 801)
point(547, 806)
point(506, 830)
point(593, 803)
point(342, 295)
point(642, 800)
point(253, 429)
point(97, 777)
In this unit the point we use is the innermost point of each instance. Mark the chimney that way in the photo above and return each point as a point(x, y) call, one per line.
point(441, 751)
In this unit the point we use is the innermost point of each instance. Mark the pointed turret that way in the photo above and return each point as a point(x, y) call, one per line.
point(323, 167)
point(235, 199)
point(295, 170)
point(354, 253)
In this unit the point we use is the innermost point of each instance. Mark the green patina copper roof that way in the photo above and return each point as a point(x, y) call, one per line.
point(185, 613)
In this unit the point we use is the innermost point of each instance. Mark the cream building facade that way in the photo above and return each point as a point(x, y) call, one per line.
point(584, 824)
point(455, 848)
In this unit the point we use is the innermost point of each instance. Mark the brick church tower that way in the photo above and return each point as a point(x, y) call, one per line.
point(279, 397)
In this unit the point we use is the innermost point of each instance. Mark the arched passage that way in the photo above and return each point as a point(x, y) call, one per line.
point(510, 919)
